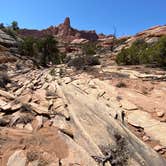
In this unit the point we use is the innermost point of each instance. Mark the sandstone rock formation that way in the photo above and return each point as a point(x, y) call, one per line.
point(60, 116)
point(6, 39)
point(63, 32)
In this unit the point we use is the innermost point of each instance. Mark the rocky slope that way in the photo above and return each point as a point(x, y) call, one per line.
point(59, 117)
point(106, 115)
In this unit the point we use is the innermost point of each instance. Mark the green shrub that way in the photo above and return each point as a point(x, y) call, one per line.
point(27, 46)
point(2, 26)
point(49, 51)
point(89, 48)
point(142, 53)
point(14, 25)
point(81, 62)
point(44, 50)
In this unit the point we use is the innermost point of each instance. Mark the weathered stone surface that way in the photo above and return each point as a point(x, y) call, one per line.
point(86, 112)
point(155, 129)
point(16, 107)
point(6, 39)
point(67, 80)
point(128, 105)
point(20, 126)
point(25, 98)
point(146, 138)
point(160, 113)
point(6, 107)
point(157, 148)
point(18, 158)
point(39, 109)
point(2, 103)
point(6, 94)
point(33, 163)
point(37, 123)
point(28, 127)
point(80, 120)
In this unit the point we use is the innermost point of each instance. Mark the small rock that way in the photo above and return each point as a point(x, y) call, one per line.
point(92, 84)
point(19, 91)
point(160, 114)
point(67, 80)
point(39, 109)
point(157, 148)
point(7, 107)
point(20, 126)
point(145, 138)
point(2, 103)
point(37, 123)
point(18, 158)
point(45, 86)
point(128, 105)
point(16, 107)
point(28, 127)
point(6, 94)
point(48, 123)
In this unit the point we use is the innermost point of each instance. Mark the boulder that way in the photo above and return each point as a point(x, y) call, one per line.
point(160, 113)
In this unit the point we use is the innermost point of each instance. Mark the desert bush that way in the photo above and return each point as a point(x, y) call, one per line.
point(92, 60)
point(2, 26)
point(78, 62)
point(142, 53)
point(14, 25)
point(49, 50)
point(81, 62)
point(27, 46)
point(4, 80)
point(89, 48)
point(121, 85)
point(44, 50)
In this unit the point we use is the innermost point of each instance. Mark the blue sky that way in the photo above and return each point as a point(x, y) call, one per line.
point(128, 16)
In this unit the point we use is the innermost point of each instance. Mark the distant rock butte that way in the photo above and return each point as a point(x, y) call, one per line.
point(63, 32)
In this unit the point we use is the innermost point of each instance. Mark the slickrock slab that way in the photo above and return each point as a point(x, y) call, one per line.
point(39, 109)
point(128, 105)
point(6, 94)
point(96, 127)
point(155, 129)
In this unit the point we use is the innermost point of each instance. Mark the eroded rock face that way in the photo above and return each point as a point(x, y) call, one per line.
point(63, 31)
point(6, 39)
point(153, 31)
